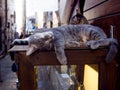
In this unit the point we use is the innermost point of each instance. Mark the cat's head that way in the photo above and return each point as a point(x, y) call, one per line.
point(39, 41)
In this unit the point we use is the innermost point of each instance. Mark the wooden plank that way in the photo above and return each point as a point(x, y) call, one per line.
point(102, 77)
point(80, 73)
point(92, 3)
point(26, 75)
point(112, 76)
point(69, 7)
point(112, 72)
point(118, 76)
point(18, 48)
point(107, 76)
point(109, 7)
point(74, 57)
point(105, 23)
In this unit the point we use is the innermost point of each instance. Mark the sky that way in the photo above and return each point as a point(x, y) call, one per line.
point(33, 6)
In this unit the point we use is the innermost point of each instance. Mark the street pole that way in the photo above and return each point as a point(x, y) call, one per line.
point(23, 28)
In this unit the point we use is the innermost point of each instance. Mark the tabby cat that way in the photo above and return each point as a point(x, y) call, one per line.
point(78, 18)
point(69, 36)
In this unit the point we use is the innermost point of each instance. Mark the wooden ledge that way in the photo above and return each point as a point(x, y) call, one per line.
point(18, 48)
point(75, 56)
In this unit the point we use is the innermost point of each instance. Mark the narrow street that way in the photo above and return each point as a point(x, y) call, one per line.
point(8, 77)
point(88, 29)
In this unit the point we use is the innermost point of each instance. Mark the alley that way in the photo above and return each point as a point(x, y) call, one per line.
point(8, 77)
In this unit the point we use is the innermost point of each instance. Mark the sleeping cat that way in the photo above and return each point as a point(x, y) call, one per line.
point(69, 36)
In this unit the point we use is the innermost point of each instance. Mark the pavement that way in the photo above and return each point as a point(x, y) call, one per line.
point(8, 77)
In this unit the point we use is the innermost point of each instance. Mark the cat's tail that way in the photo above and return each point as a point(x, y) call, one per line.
point(113, 50)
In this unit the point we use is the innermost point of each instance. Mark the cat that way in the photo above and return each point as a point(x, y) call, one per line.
point(78, 18)
point(67, 36)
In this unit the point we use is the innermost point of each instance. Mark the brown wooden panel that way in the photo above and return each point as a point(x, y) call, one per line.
point(109, 7)
point(107, 80)
point(79, 56)
point(26, 75)
point(107, 76)
point(18, 48)
point(105, 23)
point(112, 76)
point(69, 7)
point(92, 3)
point(102, 77)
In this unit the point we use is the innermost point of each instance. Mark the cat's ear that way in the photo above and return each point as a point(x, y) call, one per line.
point(31, 49)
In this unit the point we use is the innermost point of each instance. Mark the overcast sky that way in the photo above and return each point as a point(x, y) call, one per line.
point(33, 6)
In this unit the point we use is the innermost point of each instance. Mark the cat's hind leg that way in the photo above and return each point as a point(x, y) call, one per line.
point(94, 44)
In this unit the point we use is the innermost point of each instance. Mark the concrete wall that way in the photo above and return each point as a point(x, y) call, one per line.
point(62, 8)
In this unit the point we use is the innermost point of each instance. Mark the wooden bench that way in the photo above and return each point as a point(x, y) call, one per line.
point(76, 56)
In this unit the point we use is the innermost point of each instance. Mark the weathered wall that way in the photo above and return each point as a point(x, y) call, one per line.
point(2, 21)
point(105, 13)
point(6, 11)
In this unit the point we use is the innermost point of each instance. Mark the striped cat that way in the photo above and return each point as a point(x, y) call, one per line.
point(69, 36)
point(78, 18)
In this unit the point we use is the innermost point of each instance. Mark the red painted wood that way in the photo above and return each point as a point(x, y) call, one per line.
point(75, 57)
point(109, 7)
point(92, 3)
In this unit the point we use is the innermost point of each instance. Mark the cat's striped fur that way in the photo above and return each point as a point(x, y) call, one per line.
point(70, 36)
